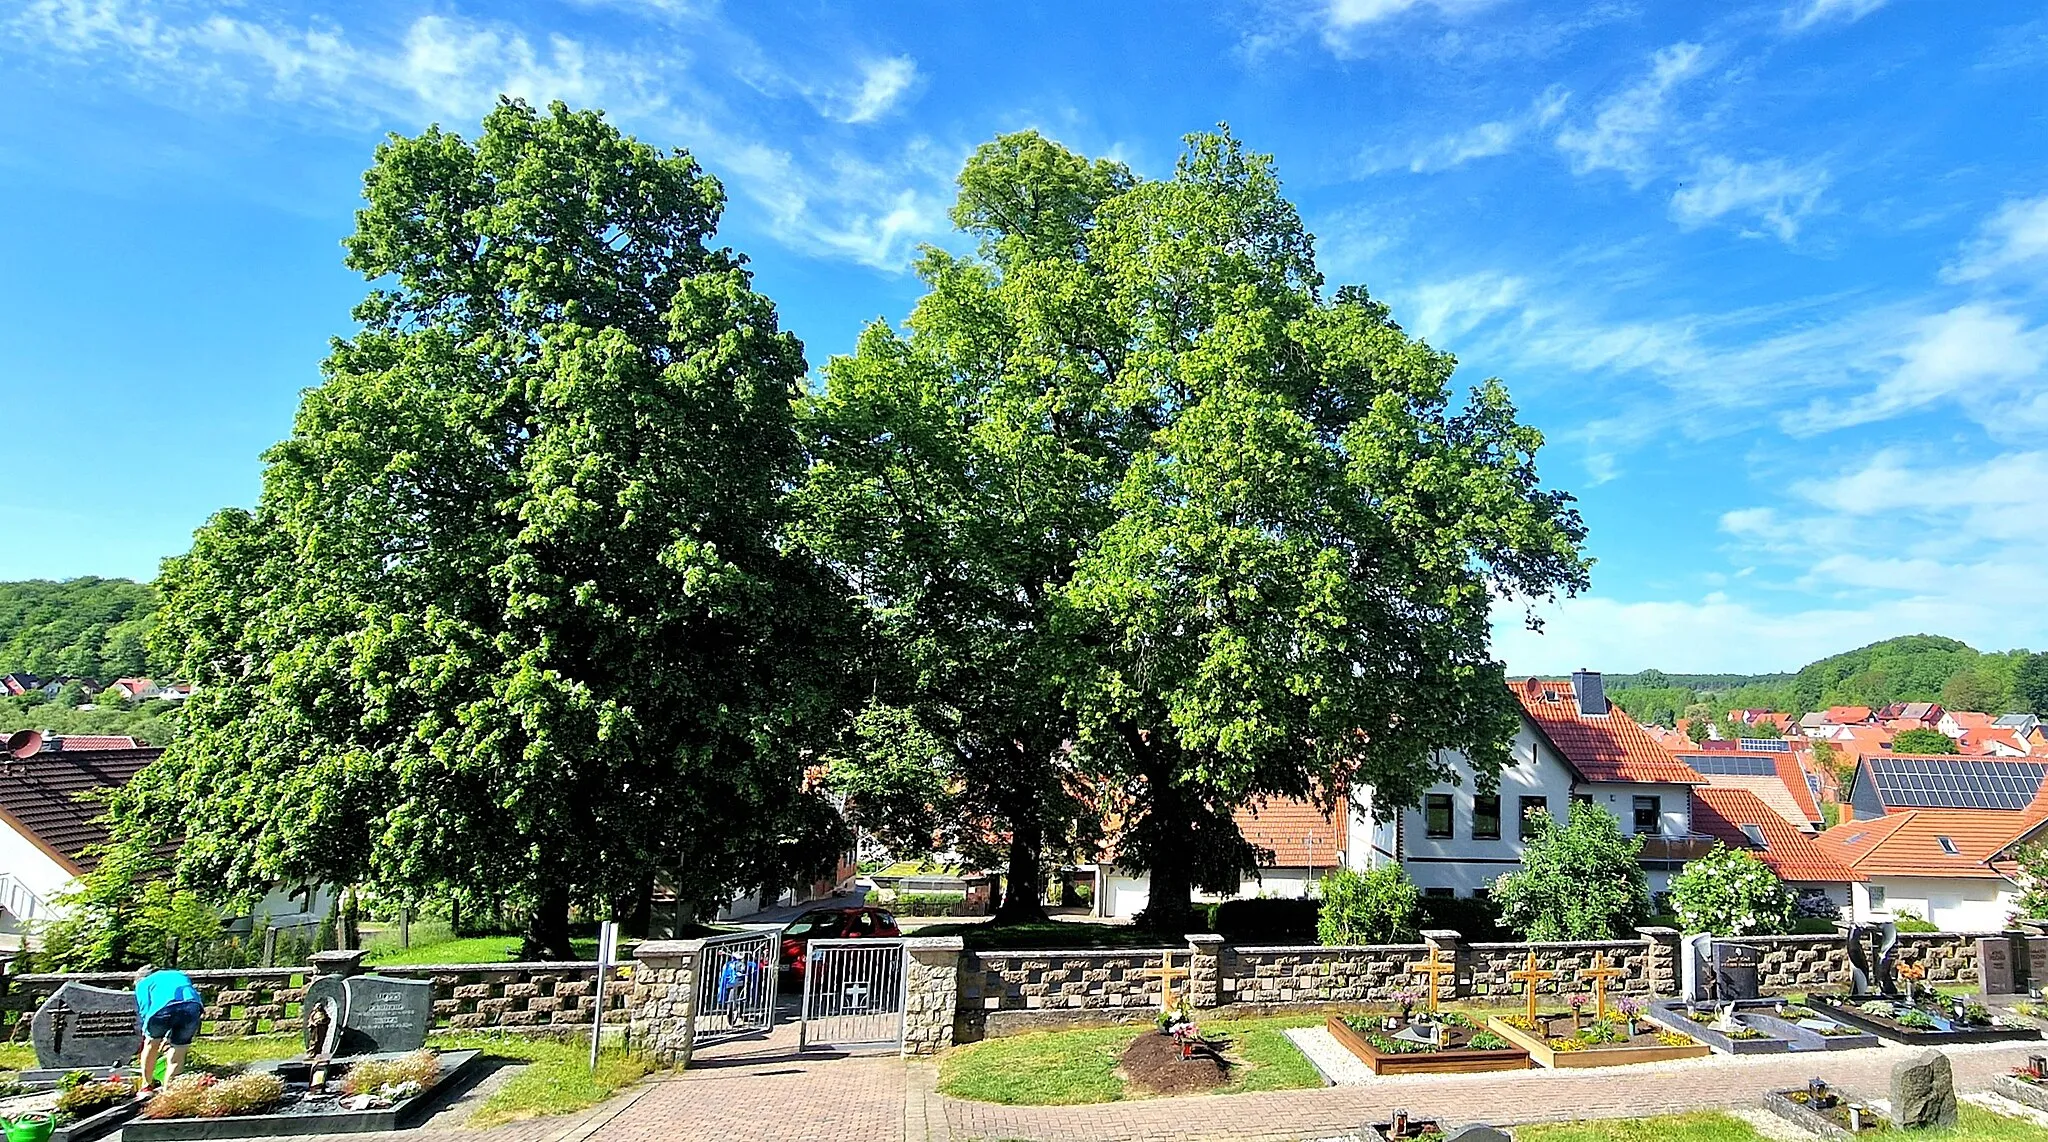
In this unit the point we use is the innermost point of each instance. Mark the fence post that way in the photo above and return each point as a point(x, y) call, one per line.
point(1205, 969)
point(662, 1005)
point(269, 947)
point(931, 998)
point(1660, 967)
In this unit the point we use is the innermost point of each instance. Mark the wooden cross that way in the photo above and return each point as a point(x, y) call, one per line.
point(1599, 975)
point(1532, 975)
point(1166, 973)
point(1433, 967)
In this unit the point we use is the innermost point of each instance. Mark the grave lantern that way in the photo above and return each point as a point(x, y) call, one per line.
point(2037, 1066)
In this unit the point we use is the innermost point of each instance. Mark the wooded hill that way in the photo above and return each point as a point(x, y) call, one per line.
point(92, 628)
point(1911, 668)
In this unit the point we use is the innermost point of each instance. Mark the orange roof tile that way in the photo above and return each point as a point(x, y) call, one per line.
point(1609, 747)
point(1847, 715)
point(1296, 831)
point(1908, 842)
point(1720, 813)
point(1793, 775)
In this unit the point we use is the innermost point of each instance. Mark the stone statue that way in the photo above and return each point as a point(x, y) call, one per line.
point(1859, 963)
point(1888, 958)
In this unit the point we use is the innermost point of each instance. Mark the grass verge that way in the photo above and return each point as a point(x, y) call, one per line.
point(1065, 1068)
point(556, 1080)
point(465, 950)
point(989, 937)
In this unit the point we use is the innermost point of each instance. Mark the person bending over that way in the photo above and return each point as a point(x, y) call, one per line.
point(167, 1007)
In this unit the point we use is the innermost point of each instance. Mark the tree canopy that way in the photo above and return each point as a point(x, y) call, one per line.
point(1580, 879)
point(512, 616)
point(1227, 530)
point(1923, 741)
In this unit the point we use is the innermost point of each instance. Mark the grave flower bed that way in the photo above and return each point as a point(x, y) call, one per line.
point(1388, 1044)
point(1818, 1109)
point(1567, 1041)
point(1930, 1019)
point(369, 1093)
point(2026, 1085)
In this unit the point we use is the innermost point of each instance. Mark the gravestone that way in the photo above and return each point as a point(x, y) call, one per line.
point(1736, 970)
point(81, 1026)
point(1995, 967)
point(1696, 971)
point(368, 1014)
point(2037, 961)
point(1923, 1091)
point(1478, 1132)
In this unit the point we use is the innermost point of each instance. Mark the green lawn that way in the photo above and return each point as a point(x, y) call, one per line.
point(1977, 1126)
point(466, 950)
point(1059, 1068)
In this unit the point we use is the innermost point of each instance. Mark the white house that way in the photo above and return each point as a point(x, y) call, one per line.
point(1572, 746)
point(47, 835)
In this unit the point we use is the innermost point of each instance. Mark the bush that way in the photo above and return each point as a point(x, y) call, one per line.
point(1477, 918)
point(1377, 906)
point(84, 1098)
point(1729, 892)
point(373, 1075)
point(1911, 921)
point(1266, 918)
point(929, 903)
point(1581, 880)
point(1923, 741)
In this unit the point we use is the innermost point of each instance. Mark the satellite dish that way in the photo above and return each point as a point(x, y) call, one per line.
point(24, 743)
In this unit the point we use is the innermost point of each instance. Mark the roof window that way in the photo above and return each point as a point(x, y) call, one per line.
point(1755, 835)
point(1948, 846)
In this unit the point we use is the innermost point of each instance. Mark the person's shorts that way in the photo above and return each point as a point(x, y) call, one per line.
point(177, 1022)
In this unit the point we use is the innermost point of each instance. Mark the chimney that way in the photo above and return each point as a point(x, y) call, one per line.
point(1590, 691)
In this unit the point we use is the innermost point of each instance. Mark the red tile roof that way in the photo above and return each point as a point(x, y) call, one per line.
point(1602, 747)
point(1847, 715)
point(1297, 832)
point(92, 741)
point(39, 799)
point(1907, 843)
point(1720, 813)
point(1793, 775)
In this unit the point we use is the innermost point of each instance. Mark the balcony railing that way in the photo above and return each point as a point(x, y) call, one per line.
point(1679, 850)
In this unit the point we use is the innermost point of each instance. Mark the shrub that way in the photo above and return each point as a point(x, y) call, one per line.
point(1581, 880)
point(1267, 918)
point(1377, 906)
point(84, 1099)
point(1923, 741)
point(182, 1097)
point(243, 1094)
point(929, 903)
point(1477, 918)
point(1911, 921)
point(1729, 892)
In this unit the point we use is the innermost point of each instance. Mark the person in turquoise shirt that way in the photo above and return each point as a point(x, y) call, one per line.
point(167, 1008)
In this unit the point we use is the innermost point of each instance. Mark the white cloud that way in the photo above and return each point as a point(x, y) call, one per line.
point(882, 83)
point(1630, 121)
point(1778, 195)
point(813, 193)
point(1344, 15)
point(2015, 237)
point(1495, 137)
point(1986, 358)
point(1808, 13)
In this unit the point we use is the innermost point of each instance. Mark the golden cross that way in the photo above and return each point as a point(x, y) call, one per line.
point(1532, 976)
point(1433, 967)
point(1600, 974)
point(1166, 973)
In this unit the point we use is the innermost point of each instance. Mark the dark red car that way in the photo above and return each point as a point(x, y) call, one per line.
point(833, 924)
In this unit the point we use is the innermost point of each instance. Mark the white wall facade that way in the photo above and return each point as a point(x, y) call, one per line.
point(39, 879)
point(1952, 903)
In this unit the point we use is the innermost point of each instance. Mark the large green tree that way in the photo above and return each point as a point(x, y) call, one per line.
point(511, 617)
point(1247, 539)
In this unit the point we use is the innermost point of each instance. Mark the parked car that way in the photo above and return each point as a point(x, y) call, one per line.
point(832, 924)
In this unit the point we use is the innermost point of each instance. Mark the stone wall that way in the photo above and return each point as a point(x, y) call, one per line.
point(1808, 963)
point(1491, 964)
point(663, 999)
point(1031, 981)
point(931, 993)
point(1270, 976)
point(467, 997)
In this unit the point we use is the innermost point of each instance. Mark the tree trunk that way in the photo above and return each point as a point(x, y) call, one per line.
point(1024, 899)
point(1171, 826)
point(547, 927)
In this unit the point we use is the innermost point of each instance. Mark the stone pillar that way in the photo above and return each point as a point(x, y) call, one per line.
point(931, 994)
point(343, 963)
point(1448, 945)
point(1205, 970)
point(661, 1008)
point(1660, 971)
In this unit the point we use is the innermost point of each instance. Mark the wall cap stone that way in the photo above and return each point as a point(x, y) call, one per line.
point(1205, 940)
point(1657, 931)
point(667, 949)
point(934, 944)
point(1273, 949)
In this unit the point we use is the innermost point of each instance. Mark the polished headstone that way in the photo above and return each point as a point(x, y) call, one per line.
point(81, 1026)
point(370, 1014)
point(1995, 966)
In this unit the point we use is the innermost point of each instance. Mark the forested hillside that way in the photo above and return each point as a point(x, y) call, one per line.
point(1911, 668)
point(95, 628)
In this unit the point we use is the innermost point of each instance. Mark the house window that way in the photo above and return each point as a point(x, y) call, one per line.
point(1436, 815)
point(1530, 807)
point(1582, 798)
point(1486, 818)
point(1755, 834)
point(1649, 815)
point(1876, 897)
point(1948, 846)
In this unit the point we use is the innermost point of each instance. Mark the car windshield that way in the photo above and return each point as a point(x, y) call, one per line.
point(808, 923)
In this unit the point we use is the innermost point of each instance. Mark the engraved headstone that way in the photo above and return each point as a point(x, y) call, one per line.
point(369, 1014)
point(81, 1026)
point(1995, 966)
point(1736, 971)
point(1696, 972)
point(2037, 961)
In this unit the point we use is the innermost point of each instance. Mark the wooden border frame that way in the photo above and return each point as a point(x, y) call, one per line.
point(1463, 1062)
point(1593, 1056)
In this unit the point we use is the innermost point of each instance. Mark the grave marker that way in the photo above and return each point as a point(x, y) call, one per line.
point(1532, 975)
point(1166, 974)
point(81, 1026)
point(1433, 967)
point(1995, 966)
point(372, 1014)
point(1599, 975)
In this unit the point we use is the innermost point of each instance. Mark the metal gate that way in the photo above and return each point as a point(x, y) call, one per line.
point(736, 986)
point(853, 994)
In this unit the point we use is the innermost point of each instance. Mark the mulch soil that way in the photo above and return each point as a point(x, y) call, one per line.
point(1152, 1063)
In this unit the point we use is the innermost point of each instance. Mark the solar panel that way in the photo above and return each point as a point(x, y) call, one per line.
point(1763, 745)
point(1964, 783)
point(1813, 785)
point(1731, 764)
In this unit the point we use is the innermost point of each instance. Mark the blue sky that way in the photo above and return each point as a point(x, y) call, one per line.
point(1772, 278)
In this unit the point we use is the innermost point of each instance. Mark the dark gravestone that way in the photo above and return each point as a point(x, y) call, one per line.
point(1995, 966)
point(2037, 961)
point(1736, 968)
point(368, 1014)
point(83, 1026)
